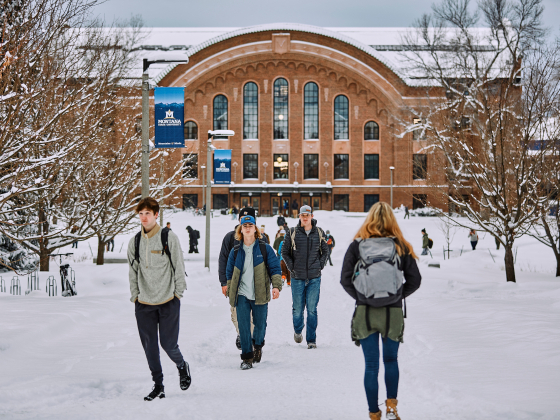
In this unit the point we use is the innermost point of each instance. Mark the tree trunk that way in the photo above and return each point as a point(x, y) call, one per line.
point(43, 230)
point(44, 259)
point(557, 265)
point(100, 251)
point(508, 259)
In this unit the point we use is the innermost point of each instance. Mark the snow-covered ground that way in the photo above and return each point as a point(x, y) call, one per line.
point(475, 347)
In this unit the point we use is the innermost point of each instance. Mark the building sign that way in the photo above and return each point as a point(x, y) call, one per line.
point(169, 114)
point(222, 166)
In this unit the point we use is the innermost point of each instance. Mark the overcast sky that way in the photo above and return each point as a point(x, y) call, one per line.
point(241, 13)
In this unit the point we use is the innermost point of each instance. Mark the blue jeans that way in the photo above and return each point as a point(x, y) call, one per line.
point(370, 346)
point(305, 293)
point(260, 313)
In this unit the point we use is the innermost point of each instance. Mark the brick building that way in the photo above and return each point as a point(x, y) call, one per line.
point(316, 112)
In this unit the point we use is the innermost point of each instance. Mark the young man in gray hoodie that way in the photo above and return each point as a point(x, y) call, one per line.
point(157, 282)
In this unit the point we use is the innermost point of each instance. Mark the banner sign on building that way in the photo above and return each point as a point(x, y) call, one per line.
point(169, 115)
point(222, 166)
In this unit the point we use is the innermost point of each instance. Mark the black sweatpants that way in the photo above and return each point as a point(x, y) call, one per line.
point(166, 317)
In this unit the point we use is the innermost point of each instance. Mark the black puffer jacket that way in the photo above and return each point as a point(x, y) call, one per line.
point(407, 265)
point(227, 245)
point(309, 257)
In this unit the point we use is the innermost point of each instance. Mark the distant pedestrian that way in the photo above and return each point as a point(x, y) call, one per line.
point(406, 213)
point(373, 279)
point(168, 225)
point(280, 220)
point(425, 242)
point(264, 235)
point(194, 236)
point(330, 243)
point(286, 276)
point(497, 239)
point(286, 207)
point(473, 237)
point(157, 283)
point(251, 267)
point(111, 244)
point(233, 213)
point(305, 252)
point(278, 240)
point(73, 231)
point(295, 207)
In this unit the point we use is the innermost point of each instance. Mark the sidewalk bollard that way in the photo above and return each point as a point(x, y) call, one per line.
point(2, 285)
point(50, 286)
point(33, 281)
point(15, 286)
point(73, 279)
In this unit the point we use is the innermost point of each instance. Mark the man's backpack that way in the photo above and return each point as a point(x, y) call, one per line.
point(430, 243)
point(329, 241)
point(196, 234)
point(164, 242)
point(377, 276)
point(293, 238)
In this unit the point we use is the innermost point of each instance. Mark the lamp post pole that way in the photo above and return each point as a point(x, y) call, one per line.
point(145, 134)
point(208, 202)
point(203, 182)
point(391, 168)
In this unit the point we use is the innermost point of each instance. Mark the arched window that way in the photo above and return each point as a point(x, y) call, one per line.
point(341, 118)
point(280, 109)
point(250, 111)
point(311, 111)
point(220, 113)
point(191, 130)
point(371, 131)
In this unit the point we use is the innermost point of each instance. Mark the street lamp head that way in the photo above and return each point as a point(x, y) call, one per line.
point(221, 133)
point(391, 167)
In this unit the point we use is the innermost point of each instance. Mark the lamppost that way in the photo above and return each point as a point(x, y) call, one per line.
point(391, 168)
point(203, 167)
point(209, 149)
point(265, 165)
point(164, 154)
point(145, 165)
point(296, 166)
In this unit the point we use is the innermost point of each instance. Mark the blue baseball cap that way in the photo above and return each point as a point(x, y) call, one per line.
point(247, 219)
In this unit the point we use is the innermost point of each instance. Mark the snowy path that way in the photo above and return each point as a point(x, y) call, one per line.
point(475, 347)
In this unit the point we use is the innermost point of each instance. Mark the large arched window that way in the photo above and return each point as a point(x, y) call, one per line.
point(280, 109)
point(191, 130)
point(220, 113)
point(250, 111)
point(341, 118)
point(311, 111)
point(371, 131)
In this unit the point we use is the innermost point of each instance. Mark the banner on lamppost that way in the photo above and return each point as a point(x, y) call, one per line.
point(169, 116)
point(222, 166)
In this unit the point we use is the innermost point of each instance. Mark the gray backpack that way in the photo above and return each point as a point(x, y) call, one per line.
point(377, 276)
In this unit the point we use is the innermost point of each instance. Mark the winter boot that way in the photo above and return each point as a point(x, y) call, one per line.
point(298, 338)
point(257, 355)
point(246, 364)
point(184, 376)
point(375, 416)
point(238, 342)
point(391, 405)
point(311, 345)
point(157, 392)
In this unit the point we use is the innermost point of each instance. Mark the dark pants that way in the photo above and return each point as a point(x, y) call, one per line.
point(164, 317)
point(330, 252)
point(75, 244)
point(260, 313)
point(193, 247)
point(473, 244)
point(305, 294)
point(370, 347)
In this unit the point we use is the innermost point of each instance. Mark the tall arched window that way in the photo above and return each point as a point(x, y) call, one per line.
point(371, 131)
point(191, 130)
point(311, 111)
point(250, 111)
point(280, 109)
point(220, 113)
point(341, 118)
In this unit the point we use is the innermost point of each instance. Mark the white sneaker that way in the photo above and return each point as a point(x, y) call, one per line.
point(298, 338)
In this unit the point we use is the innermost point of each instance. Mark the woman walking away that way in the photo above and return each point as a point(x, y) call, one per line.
point(372, 273)
point(251, 266)
point(473, 237)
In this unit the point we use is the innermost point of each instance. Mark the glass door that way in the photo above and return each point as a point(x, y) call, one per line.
point(316, 203)
point(275, 205)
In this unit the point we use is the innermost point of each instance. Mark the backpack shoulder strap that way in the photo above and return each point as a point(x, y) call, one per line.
point(293, 238)
point(165, 244)
point(137, 238)
point(262, 246)
point(235, 248)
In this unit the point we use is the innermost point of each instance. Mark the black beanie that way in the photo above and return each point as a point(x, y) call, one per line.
point(247, 211)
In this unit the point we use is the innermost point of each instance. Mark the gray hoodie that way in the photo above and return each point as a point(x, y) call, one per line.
point(153, 281)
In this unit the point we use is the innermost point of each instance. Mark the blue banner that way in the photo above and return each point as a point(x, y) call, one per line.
point(170, 114)
point(222, 166)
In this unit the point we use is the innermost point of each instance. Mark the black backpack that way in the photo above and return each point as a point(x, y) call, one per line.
point(164, 242)
point(196, 234)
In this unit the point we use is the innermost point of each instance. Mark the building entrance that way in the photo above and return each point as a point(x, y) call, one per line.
point(280, 205)
point(251, 202)
point(314, 202)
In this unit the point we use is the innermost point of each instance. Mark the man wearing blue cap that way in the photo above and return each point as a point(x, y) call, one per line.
point(305, 252)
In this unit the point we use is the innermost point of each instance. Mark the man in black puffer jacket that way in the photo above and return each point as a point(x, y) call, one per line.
point(305, 252)
point(227, 245)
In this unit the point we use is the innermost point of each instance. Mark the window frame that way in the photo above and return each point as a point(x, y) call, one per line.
point(373, 170)
point(336, 200)
point(341, 167)
point(275, 157)
point(193, 166)
point(306, 115)
point(246, 166)
point(416, 176)
point(247, 115)
point(336, 134)
point(185, 129)
point(307, 166)
point(286, 117)
point(221, 95)
point(366, 209)
point(365, 128)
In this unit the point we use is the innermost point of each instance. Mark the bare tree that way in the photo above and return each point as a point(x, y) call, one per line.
point(484, 105)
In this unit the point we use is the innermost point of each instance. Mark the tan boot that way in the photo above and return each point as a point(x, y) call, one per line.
point(375, 416)
point(392, 410)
